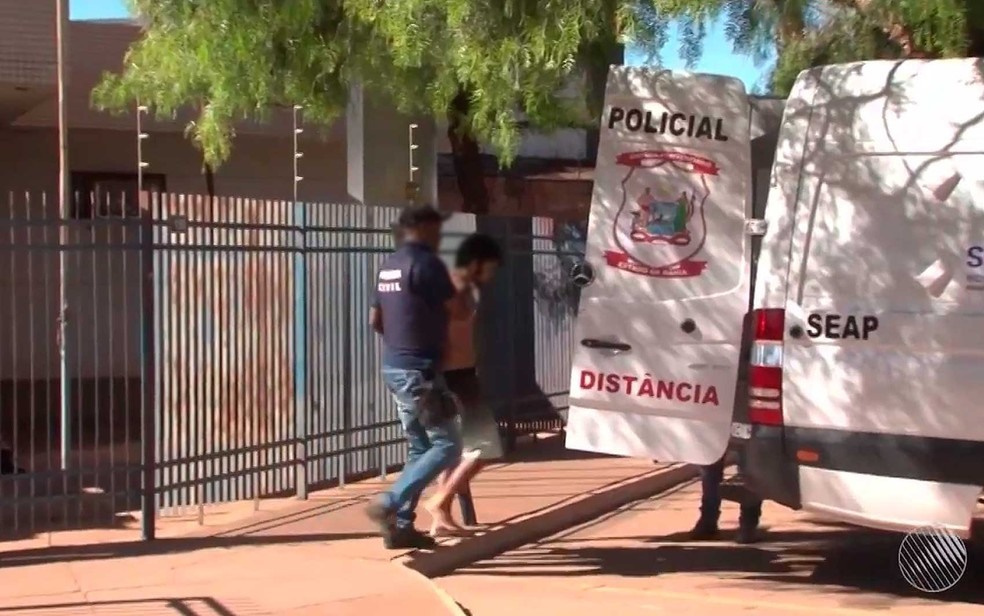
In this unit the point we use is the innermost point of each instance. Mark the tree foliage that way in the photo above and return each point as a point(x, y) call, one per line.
point(232, 59)
point(479, 62)
point(805, 33)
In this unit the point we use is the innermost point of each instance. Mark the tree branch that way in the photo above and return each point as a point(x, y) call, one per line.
point(467, 156)
point(892, 26)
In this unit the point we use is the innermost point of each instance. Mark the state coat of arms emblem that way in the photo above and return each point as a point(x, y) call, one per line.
point(661, 224)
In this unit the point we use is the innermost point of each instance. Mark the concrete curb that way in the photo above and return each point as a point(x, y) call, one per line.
point(546, 522)
point(453, 607)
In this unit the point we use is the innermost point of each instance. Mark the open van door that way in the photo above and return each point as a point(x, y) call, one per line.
point(666, 273)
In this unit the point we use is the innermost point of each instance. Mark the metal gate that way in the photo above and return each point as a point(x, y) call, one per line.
point(217, 349)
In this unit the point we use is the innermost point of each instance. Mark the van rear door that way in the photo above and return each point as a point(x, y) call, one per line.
point(884, 346)
point(658, 332)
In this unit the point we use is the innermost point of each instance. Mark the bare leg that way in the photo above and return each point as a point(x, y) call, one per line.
point(439, 505)
point(444, 477)
point(443, 517)
point(467, 475)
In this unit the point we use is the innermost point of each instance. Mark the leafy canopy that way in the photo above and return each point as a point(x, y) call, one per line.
point(233, 59)
point(809, 33)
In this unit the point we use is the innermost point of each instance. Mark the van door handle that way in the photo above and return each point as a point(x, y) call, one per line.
point(594, 343)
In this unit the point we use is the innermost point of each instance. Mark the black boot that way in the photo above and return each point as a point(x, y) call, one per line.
point(704, 529)
point(748, 532)
point(407, 538)
point(748, 522)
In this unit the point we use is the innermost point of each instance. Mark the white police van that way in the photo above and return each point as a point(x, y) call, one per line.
point(866, 334)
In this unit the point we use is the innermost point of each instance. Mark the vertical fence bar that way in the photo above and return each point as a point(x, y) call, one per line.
point(220, 209)
point(239, 323)
point(265, 400)
point(511, 336)
point(50, 398)
point(5, 401)
point(253, 346)
point(158, 269)
point(211, 438)
point(289, 427)
point(301, 394)
point(212, 409)
point(203, 410)
point(319, 345)
point(32, 376)
point(15, 267)
point(148, 418)
point(162, 387)
point(64, 190)
point(265, 376)
point(125, 304)
point(186, 404)
point(75, 428)
point(346, 351)
point(113, 284)
point(362, 421)
point(94, 364)
point(376, 241)
point(163, 271)
point(274, 333)
point(268, 365)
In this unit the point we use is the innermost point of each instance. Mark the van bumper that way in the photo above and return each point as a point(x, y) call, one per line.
point(768, 470)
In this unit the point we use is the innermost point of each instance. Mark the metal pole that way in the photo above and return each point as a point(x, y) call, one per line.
point(302, 395)
point(148, 376)
point(64, 196)
point(148, 415)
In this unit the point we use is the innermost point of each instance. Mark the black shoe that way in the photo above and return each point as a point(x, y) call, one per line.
point(408, 538)
point(747, 535)
point(704, 530)
point(380, 516)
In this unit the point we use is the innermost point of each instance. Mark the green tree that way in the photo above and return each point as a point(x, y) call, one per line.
point(474, 63)
point(479, 63)
point(806, 33)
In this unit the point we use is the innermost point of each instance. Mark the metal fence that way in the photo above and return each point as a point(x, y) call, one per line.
point(217, 349)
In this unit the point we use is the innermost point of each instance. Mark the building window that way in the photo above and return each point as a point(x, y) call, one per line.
point(110, 195)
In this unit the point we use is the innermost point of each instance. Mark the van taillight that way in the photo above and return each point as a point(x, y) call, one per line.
point(765, 368)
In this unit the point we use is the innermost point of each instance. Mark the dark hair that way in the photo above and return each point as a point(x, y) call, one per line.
point(477, 248)
point(414, 216)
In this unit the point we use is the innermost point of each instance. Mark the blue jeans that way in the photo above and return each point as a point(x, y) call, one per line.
point(711, 477)
point(432, 449)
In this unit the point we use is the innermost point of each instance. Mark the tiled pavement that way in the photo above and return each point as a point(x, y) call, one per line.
point(318, 556)
point(639, 561)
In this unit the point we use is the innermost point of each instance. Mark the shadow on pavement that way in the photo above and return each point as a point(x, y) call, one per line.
point(185, 606)
point(42, 556)
point(838, 560)
point(309, 521)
